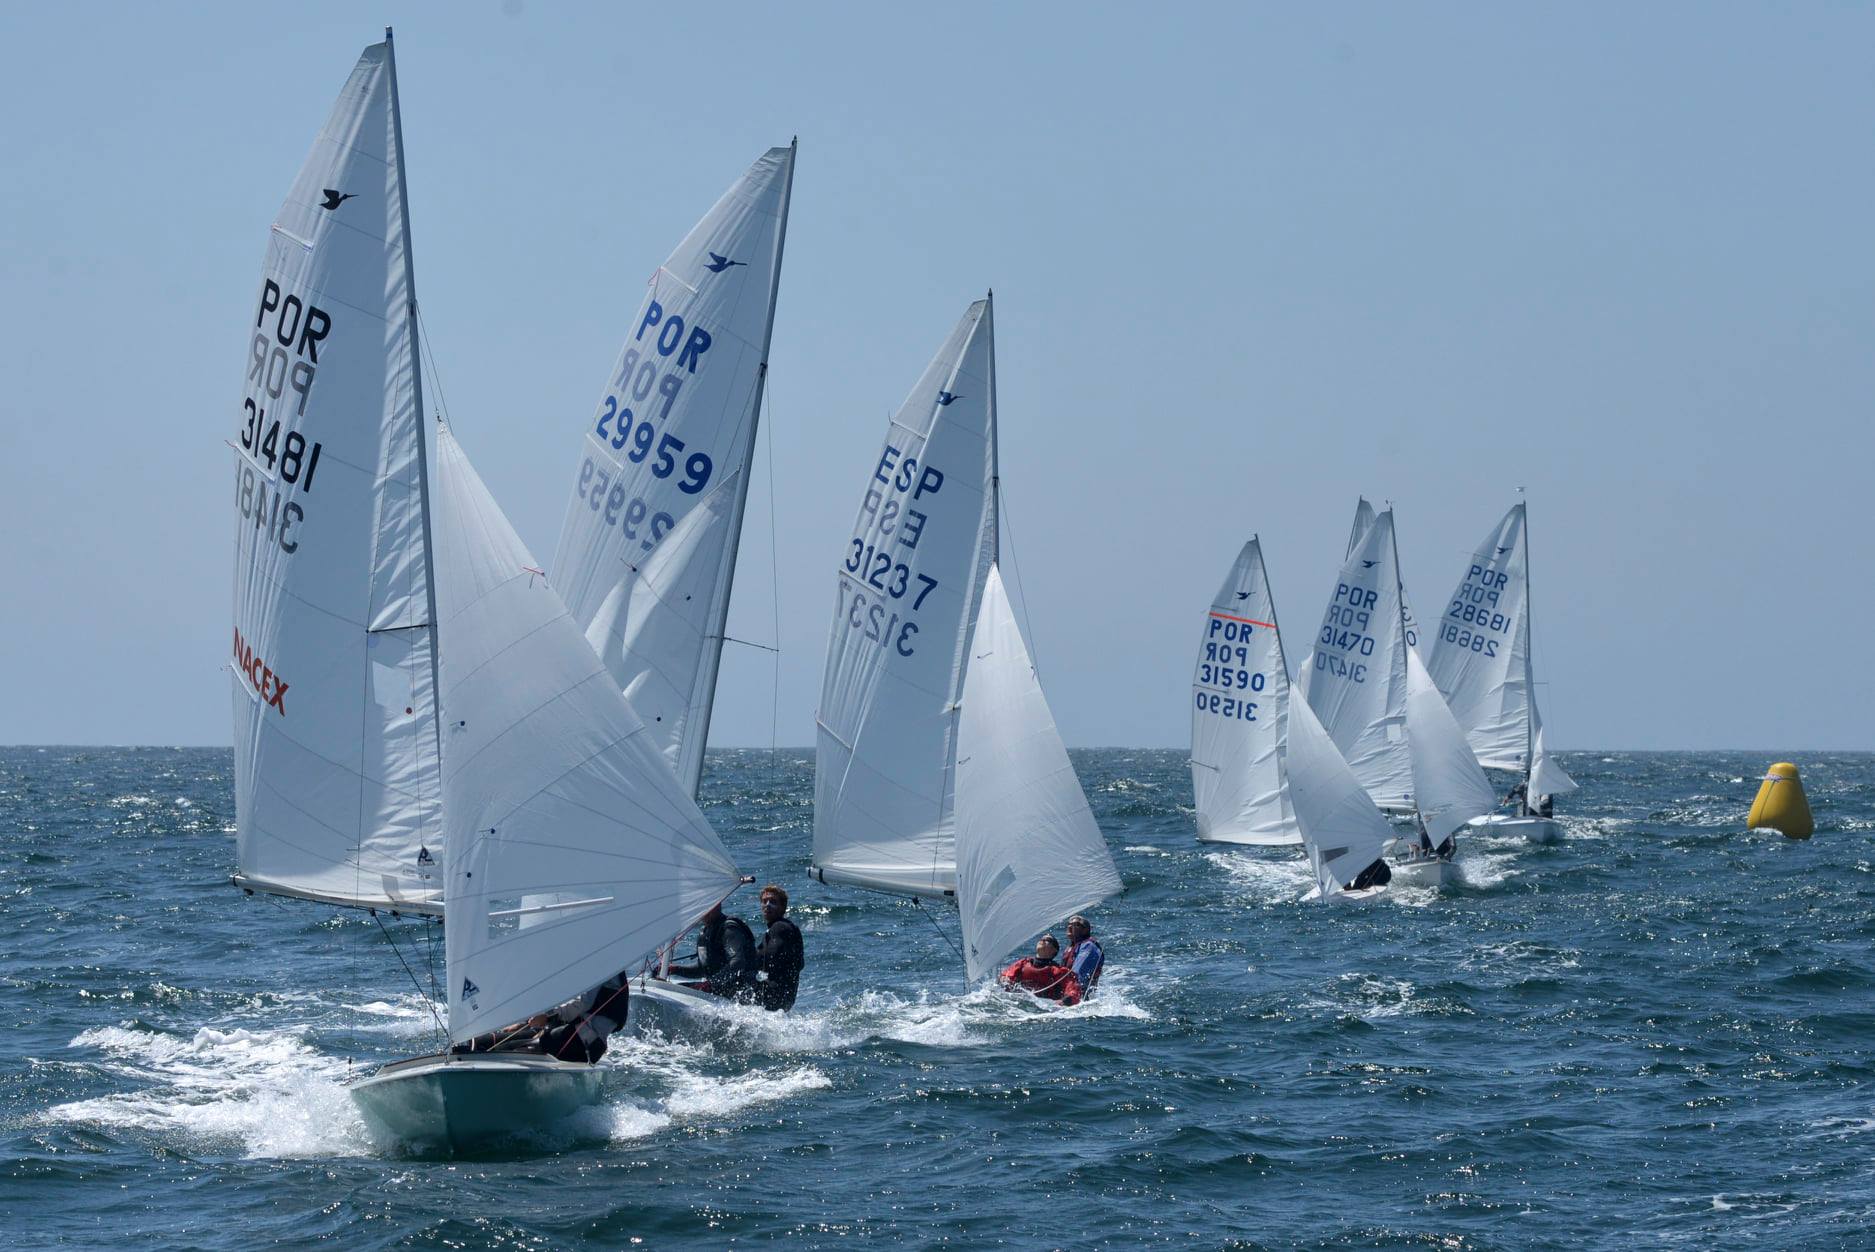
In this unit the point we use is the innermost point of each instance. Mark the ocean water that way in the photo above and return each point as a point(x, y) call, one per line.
point(1660, 1033)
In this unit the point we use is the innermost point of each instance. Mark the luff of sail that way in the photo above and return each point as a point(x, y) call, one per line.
point(1363, 518)
point(906, 593)
point(1355, 677)
point(1029, 852)
point(575, 853)
point(1240, 694)
point(674, 427)
point(335, 740)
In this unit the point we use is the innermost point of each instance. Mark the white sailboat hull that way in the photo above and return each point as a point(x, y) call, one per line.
point(1535, 829)
point(464, 1102)
point(1427, 871)
point(1366, 895)
point(658, 1002)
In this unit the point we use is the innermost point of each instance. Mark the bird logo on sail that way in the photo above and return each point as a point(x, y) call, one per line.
point(1243, 595)
point(335, 198)
point(1367, 564)
point(719, 263)
point(947, 397)
point(1503, 550)
point(469, 989)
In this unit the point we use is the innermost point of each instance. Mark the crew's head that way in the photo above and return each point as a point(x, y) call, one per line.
point(774, 903)
point(1046, 948)
point(1078, 929)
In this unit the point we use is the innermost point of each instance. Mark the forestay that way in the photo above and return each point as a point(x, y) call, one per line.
point(561, 810)
point(674, 433)
point(1482, 659)
point(1240, 693)
point(1028, 850)
point(335, 737)
point(1342, 830)
point(1449, 789)
point(1355, 678)
point(906, 594)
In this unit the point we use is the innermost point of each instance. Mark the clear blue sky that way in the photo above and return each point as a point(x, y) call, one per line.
point(1250, 262)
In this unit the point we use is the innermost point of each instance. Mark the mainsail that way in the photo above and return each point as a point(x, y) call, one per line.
point(673, 435)
point(574, 851)
point(1449, 789)
point(1240, 696)
point(1481, 660)
point(1363, 518)
point(1355, 677)
point(335, 737)
point(906, 596)
point(1028, 850)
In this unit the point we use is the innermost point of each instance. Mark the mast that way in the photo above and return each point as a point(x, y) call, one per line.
point(416, 382)
point(996, 462)
point(720, 616)
point(1529, 667)
point(1399, 594)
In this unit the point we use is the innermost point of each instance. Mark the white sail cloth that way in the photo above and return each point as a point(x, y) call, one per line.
point(1341, 829)
point(1028, 850)
point(1355, 677)
point(1449, 788)
point(674, 429)
point(1481, 660)
point(907, 591)
point(1363, 518)
point(335, 737)
point(1240, 694)
point(562, 812)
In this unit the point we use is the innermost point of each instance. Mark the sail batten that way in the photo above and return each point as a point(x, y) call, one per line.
point(674, 429)
point(337, 777)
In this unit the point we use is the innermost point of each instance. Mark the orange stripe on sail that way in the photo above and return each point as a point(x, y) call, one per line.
point(1247, 620)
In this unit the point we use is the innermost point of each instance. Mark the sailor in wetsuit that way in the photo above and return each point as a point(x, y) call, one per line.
point(725, 959)
point(780, 955)
point(1084, 955)
point(1041, 975)
point(574, 1031)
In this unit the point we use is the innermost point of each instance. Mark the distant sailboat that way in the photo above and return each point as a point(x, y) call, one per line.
point(1383, 711)
point(1482, 663)
point(1240, 700)
point(647, 552)
point(939, 771)
point(367, 723)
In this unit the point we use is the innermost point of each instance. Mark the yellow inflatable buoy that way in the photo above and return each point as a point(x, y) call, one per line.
point(1780, 805)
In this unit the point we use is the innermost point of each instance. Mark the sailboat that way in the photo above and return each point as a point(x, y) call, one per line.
point(647, 550)
point(1240, 699)
point(1380, 707)
point(939, 773)
point(395, 757)
point(1481, 661)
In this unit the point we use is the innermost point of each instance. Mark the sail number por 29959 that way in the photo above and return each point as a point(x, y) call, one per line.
point(598, 488)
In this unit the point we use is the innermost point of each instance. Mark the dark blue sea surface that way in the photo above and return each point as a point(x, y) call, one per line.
point(1660, 1033)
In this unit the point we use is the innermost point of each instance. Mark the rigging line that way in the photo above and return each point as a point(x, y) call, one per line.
point(1015, 567)
point(749, 643)
point(436, 375)
point(427, 1002)
point(944, 935)
point(774, 587)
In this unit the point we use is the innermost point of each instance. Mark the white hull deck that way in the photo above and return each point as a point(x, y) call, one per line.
point(462, 1103)
point(1535, 829)
point(1366, 895)
point(659, 1002)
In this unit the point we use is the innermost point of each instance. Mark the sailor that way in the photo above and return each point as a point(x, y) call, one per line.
point(780, 955)
point(1443, 851)
point(1042, 976)
point(1085, 956)
point(574, 1031)
point(578, 1029)
point(1375, 875)
point(1545, 806)
point(725, 957)
point(1519, 795)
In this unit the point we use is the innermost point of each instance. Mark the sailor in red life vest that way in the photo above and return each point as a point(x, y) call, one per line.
point(1039, 974)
